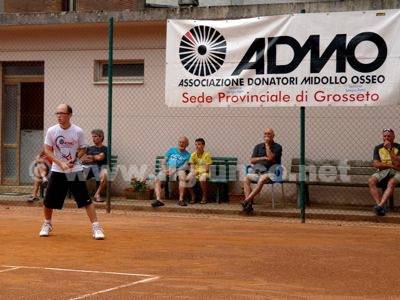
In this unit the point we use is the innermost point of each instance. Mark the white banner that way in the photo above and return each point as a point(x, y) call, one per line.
point(338, 59)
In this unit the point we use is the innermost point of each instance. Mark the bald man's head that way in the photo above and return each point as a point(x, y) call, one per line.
point(183, 142)
point(64, 113)
point(64, 108)
point(269, 135)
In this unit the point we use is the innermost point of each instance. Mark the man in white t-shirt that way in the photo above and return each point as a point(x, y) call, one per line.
point(64, 144)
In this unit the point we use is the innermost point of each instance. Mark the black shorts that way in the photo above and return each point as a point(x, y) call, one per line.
point(60, 183)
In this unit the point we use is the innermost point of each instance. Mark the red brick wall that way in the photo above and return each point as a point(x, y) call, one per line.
point(21, 6)
point(106, 5)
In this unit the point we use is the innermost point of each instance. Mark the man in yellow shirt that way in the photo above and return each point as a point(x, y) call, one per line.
point(199, 162)
point(386, 160)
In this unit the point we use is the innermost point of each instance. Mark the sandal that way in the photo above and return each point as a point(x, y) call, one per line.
point(98, 199)
point(157, 203)
point(182, 203)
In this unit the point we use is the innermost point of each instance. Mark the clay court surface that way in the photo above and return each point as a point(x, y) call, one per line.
point(179, 256)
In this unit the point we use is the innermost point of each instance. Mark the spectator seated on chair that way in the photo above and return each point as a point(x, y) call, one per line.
point(41, 170)
point(175, 164)
point(199, 162)
point(95, 163)
point(266, 156)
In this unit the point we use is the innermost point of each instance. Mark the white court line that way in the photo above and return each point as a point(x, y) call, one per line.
point(11, 268)
point(115, 288)
point(82, 271)
point(152, 277)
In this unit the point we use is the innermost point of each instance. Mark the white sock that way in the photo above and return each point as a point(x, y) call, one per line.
point(47, 221)
point(95, 223)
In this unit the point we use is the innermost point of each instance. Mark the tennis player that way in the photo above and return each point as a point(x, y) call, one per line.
point(64, 144)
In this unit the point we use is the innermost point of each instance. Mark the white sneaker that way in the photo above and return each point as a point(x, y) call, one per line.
point(46, 228)
point(98, 233)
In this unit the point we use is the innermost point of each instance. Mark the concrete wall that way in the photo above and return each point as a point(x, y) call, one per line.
point(207, 13)
point(28, 6)
point(228, 2)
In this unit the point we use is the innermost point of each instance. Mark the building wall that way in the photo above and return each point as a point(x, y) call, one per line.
point(12, 6)
point(106, 5)
point(26, 6)
point(228, 2)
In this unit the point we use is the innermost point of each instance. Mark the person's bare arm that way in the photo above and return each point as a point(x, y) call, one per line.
point(395, 160)
point(87, 159)
point(99, 157)
point(49, 153)
point(192, 168)
point(270, 156)
point(164, 168)
point(80, 153)
point(255, 160)
point(381, 166)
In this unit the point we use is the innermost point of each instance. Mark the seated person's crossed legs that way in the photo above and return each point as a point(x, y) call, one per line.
point(393, 179)
point(100, 175)
point(249, 193)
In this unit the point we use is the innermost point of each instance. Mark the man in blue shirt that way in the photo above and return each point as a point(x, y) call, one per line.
point(176, 159)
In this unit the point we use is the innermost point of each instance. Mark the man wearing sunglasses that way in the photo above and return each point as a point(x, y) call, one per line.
point(387, 160)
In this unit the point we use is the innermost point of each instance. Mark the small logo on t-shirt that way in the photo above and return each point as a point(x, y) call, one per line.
point(63, 147)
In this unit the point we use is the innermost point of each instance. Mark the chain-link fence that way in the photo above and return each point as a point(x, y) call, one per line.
point(344, 138)
point(71, 67)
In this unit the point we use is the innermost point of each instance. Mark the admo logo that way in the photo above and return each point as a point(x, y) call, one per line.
point(202, 50)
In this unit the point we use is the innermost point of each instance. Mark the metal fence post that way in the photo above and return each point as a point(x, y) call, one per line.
point(302, 165)
point(302, 160)
point(109, 120)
